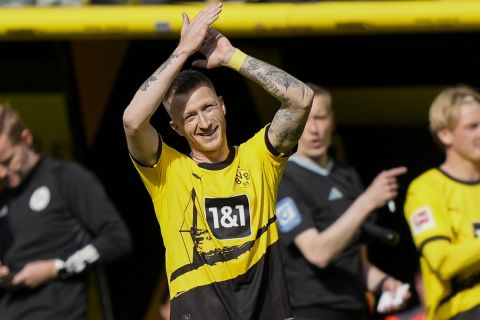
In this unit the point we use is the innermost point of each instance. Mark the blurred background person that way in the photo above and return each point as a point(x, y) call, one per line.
point(443, 209)
point(56, 221)
point(321, 209)
point(159, 308)
point(164, 308)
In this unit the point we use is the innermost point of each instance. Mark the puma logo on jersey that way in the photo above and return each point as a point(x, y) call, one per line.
point(335, 194)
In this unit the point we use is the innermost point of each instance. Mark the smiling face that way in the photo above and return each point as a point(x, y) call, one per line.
point(199, 116)
point(317, 135)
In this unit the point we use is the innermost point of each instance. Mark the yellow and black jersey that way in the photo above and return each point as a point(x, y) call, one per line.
point(219, 230)
point(444, 217)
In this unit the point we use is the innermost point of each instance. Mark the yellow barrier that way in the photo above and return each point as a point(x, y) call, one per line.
point(241, 19)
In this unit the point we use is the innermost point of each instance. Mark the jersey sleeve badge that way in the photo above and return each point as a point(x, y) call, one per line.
point(288, 215)
point(422, 220)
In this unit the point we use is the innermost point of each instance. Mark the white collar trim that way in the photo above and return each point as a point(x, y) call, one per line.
point(312, 166)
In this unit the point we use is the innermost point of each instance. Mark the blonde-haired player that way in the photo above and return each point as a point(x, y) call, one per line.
point(443, 209)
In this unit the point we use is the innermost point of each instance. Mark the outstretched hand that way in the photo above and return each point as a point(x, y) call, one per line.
point(194, 32)
point(384, 187)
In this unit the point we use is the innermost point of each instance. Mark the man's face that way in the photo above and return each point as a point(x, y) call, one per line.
point(199, 116)
point(464, 138)
point(317, 135)
point(13, 161)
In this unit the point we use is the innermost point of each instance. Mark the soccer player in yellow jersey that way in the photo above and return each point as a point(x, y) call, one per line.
point(216, 207)
point(443, 209)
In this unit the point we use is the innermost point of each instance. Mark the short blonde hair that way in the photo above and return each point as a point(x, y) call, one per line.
point(11, 123)
point(184, 82)
point(446, 106)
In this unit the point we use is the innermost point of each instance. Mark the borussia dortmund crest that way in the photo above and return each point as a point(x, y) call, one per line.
point(242, 178)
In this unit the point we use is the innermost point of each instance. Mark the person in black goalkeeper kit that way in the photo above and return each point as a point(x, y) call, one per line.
point(56, 221)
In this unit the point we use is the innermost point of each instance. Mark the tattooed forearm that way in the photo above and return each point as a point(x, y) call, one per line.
point(145, 85)
point(268, 83)
point(283, 78)
point(250, 64)
point(296, 98)
point(166, 63)
point(271, 78)
point(157, 72)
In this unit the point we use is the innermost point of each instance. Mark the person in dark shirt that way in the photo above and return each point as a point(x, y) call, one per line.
point(321, 209)
point(56, 221)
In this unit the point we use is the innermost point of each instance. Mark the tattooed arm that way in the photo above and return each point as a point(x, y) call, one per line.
point(296, 98)
point(142, 138)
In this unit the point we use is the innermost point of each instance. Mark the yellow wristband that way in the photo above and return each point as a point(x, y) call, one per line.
point(237, 59)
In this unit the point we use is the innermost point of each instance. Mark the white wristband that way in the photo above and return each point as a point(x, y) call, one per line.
point(59, 265)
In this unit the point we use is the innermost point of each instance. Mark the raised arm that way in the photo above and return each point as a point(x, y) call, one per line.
point(296, 97)
point(321, 247)
point(142, 138)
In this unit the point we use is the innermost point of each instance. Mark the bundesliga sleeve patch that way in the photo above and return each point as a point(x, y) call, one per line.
point(288, 215)
point(422, 220)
